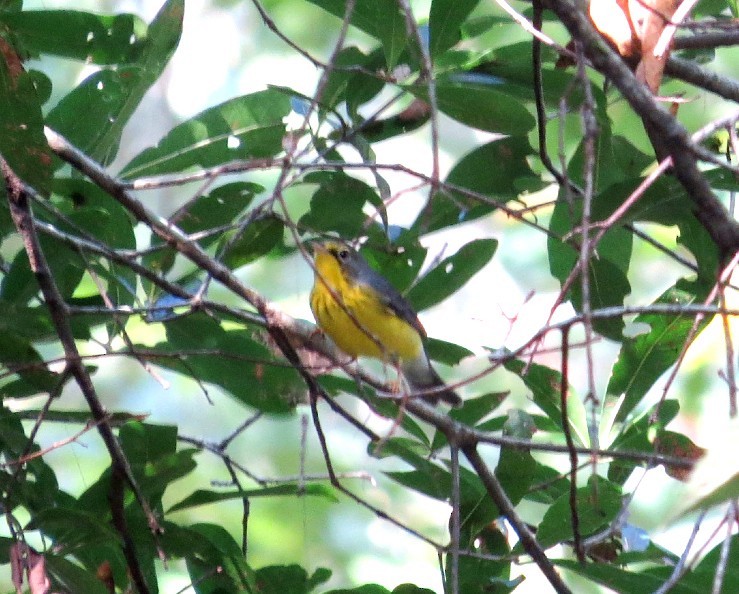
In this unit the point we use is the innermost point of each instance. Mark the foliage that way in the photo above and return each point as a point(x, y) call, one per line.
point(91, 271)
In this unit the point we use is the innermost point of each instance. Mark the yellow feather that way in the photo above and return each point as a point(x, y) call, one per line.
point(365, 316)
point(356, 319)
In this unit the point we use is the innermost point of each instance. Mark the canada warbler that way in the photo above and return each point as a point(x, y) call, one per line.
point(365, 315)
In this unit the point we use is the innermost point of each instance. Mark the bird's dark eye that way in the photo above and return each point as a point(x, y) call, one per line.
point(343, 254)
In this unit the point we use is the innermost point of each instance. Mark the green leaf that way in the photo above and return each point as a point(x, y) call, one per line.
point(516, 467)
point(598, 503)
point(338, 203)
point(144, 442)
point(607, 281)
point(31, 323)
point(644, 358)
point(279, 579)
point(625, 581)
point(382, 19)
point(545, 386)
point(547, 485)
point(245, 127)
point(18, 355)
point(201, 497)
point(472, 411)
point(217, 565)
point(257, 240)
point(71, 527)
point(22, 141)
point(229, 359)
point(398, 263)
point(636, 437)
point(342, 77)
point(481, 574)
point(68, 577)
point(708, 566)
point(389, 409)
point(217, 209)
point(445, 21)
point(444, 352)
point(366, 589)
point(452, 273)
point(496, 169)
point(92, 38)
point(483, 106)
point(109, 97)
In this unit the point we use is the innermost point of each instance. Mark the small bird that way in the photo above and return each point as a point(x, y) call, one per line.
point(365, 315)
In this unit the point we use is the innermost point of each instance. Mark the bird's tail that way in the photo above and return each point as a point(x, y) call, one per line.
point(421, 376)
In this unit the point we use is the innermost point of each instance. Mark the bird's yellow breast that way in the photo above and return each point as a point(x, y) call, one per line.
point(357, 320)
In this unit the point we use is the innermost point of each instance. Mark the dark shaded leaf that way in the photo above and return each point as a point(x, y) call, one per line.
point(597, 505)
point(646, 357)
point(444, 352)
point(381, 19)
point(630, 581)
point(337, 205)
point(636, 438)
point(445, 21)
point(94, 38)
point(219, 564)
point(231, 360)
point(496, 169)
point(18, 355)
point(278, 579)
point(516, 467)
point(201, 497)
point(486, 107)
point(366, 589)
point(69, 577)
point(109, 97)
point(22, 141)
point(257, 240)
point(607, 281)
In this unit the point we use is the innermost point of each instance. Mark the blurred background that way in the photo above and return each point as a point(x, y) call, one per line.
point(226, 50)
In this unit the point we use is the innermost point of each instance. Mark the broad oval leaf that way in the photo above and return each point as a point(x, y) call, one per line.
point(445, 22)
point(246, 127)
point(483, 106)
point(452, 273)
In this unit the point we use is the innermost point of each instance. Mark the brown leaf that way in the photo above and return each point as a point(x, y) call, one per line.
point(23, 558)
point(38, 581)
point(105, 574)
point(670, 443)
point(656, 18)
point(613, 20)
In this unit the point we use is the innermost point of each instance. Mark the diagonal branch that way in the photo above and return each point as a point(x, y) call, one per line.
point(665, 132)
point(527, 538)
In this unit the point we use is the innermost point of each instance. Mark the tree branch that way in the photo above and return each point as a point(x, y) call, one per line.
point(667, 135)
point(22, 218)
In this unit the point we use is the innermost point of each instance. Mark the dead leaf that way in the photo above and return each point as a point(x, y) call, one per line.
point(651, 67)
point(24, 559)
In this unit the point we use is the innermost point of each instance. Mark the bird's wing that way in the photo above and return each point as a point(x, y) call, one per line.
point(390, 297)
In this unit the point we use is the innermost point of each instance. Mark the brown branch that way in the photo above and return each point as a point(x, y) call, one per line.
point(706, 40)
point(567, 432)
point(694, 74)
point(527, 538)
point(667, 135)
point(20, 211)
